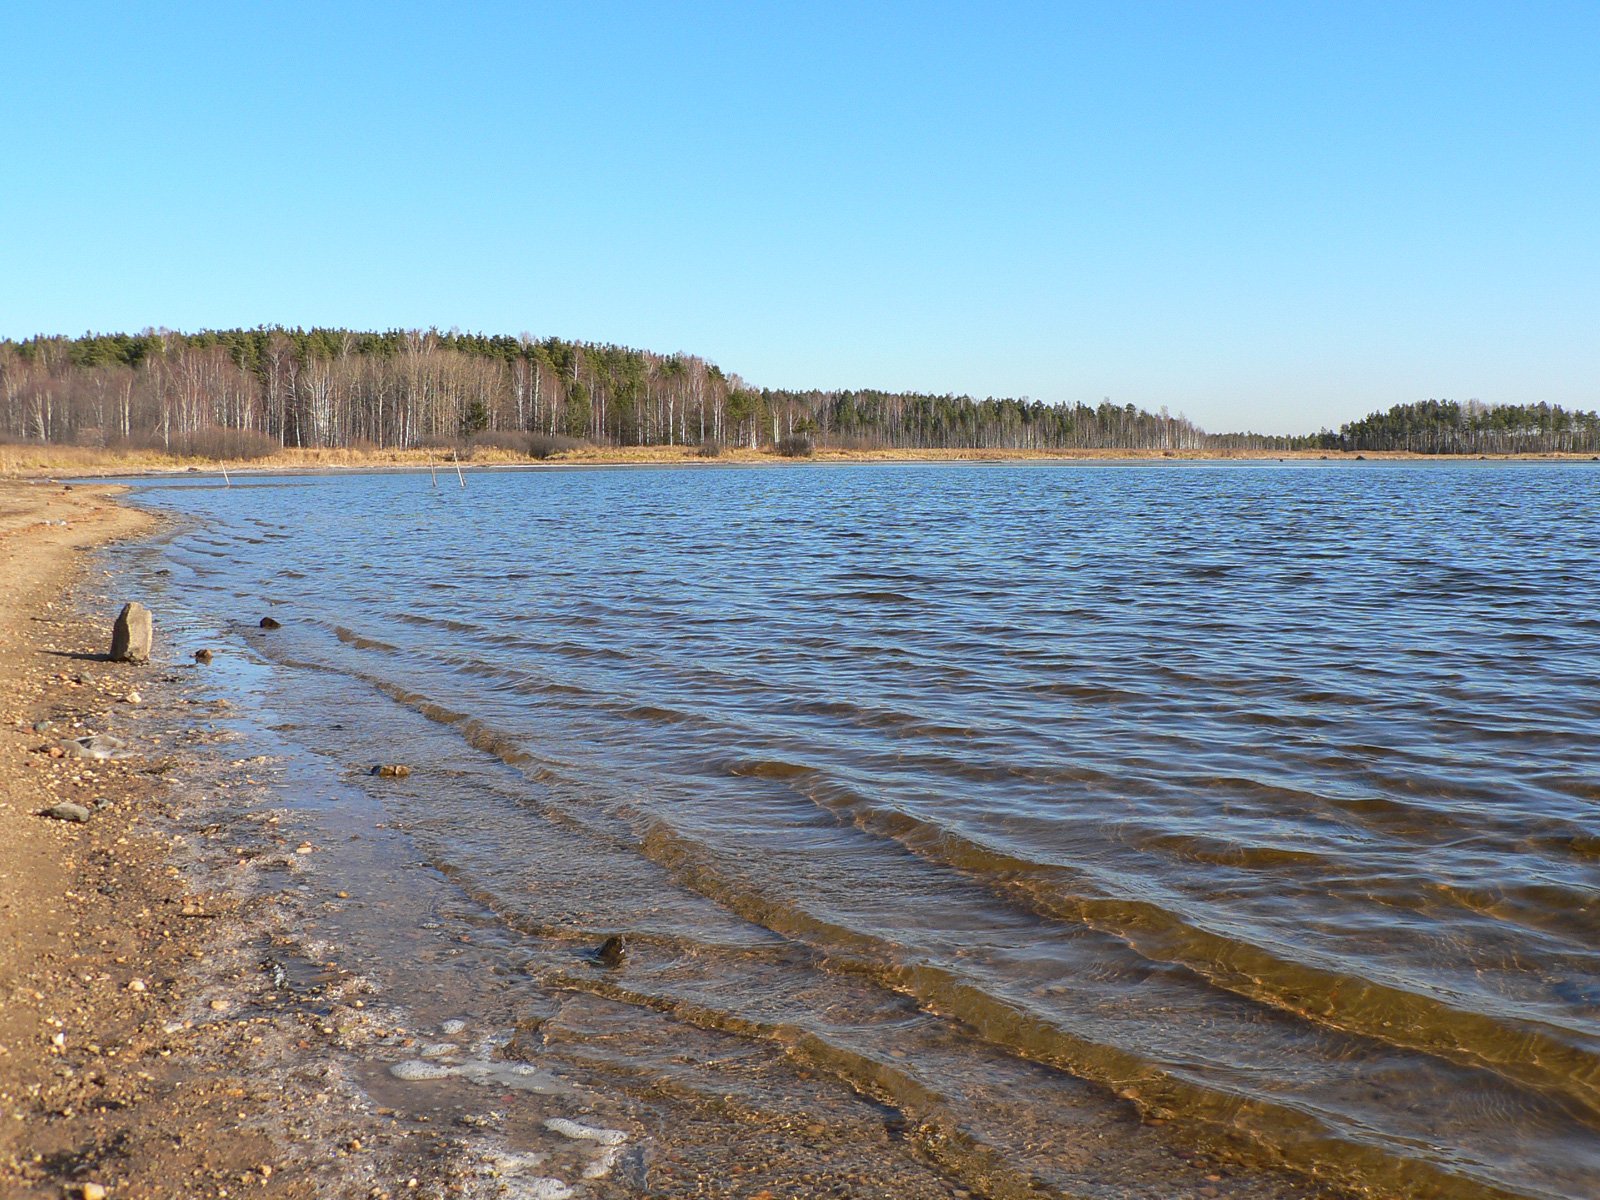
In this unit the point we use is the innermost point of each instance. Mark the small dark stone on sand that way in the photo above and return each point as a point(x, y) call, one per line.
point(392, 770)
point(202, 656)
point(67, 811)
point(43, 726)
point(611, 951)
point(271, 623)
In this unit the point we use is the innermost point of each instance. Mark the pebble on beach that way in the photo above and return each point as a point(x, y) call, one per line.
point(67, 811)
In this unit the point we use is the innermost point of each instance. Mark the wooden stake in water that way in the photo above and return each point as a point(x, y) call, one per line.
point(225, 478)
point(459, 475)
point(432, 472)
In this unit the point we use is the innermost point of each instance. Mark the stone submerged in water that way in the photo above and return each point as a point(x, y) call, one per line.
point(611, 951)
point(391, 770)
point(67, 811)
point(132, 634)
point(202, 656)
point(271, 623)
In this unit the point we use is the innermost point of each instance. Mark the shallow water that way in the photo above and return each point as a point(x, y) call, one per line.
point(1263, 798)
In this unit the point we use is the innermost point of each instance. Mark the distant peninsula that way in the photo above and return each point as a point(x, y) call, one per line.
point(242, 394)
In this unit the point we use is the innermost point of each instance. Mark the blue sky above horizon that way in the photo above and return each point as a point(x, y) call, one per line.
point(1275, 216)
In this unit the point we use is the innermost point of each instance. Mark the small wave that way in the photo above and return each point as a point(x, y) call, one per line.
point(1278, 1125)
point(871, 596)
point(351, 638)
point(766, 768)
point(1533, 1056)
point(506, 748)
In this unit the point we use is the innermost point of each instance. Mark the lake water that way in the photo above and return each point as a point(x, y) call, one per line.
point(1261, 800)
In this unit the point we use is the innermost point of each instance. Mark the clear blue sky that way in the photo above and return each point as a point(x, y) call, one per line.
point(1267, 215)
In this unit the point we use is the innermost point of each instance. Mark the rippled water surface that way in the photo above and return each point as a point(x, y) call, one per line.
point(1264, 797)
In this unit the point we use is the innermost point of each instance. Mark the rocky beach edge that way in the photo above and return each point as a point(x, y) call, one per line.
point(144, 1053)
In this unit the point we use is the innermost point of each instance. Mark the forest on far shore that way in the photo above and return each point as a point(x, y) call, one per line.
point(245, 393)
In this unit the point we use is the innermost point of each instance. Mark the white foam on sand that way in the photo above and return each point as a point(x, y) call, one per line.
point(517, 1076)
point(588, 1133)
point(414, 1069)
point(543, 1188)
point(99, 747)
point(508, 1167)
point(604, 1161)
point(513, 1162)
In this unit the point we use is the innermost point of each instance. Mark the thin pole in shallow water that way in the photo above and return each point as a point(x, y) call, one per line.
point(459, 475)
point(225, 478)
point(432, 472)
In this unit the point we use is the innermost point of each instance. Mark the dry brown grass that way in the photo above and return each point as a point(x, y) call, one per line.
point(28, 460)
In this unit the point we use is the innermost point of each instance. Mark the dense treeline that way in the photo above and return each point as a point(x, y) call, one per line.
point(1446, 427)
point(874, 418)
point(239, 391)
point(334, 387)
point(405, 388)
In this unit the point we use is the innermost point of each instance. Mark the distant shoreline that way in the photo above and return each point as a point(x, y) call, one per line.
point(41, 461)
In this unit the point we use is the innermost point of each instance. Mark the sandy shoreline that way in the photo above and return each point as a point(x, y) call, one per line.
point(96, 954)
point(141, 1049)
